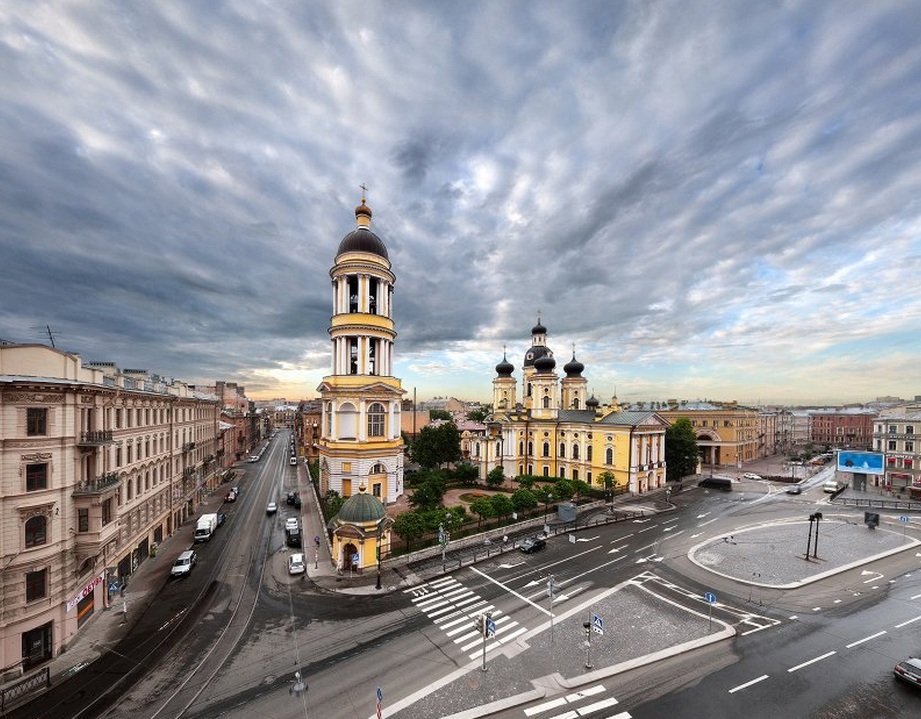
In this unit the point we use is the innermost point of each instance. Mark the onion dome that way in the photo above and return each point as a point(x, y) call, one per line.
point(545, 363)
point(361, 508)
point(591, 402)
point(505, 368)
point(362, 239)
point(538, 329)
point(574, 367)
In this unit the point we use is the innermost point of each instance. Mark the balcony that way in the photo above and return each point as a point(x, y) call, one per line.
point(95, 438)
point(188, 472)
point(91, 544)
point(188, 446)
point(99, 485)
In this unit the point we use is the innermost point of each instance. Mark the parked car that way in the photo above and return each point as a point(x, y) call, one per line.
point(271, 508)
point(909, 671)
point(831, 486)
point(292, 523)
point(794, 489)
point(291, 497)
point(252, 458)
point(221, 518)
point(751, 475)
point(293, 537)
point(183, 564)
point(296, 564)
point(231, 496)
point(533, 544)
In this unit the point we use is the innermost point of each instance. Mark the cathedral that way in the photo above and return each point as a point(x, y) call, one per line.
point(556, 430)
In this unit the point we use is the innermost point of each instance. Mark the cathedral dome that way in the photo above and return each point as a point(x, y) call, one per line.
point(362, 239)
point(591, 402)
point(361, 508)
point(574, 367)
point(505, 368)
point(538, 329)
point(545, 363)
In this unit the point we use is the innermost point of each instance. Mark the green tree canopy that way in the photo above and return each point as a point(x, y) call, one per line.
point(482, 508)
point(440, 414)
point(496, 477)
point(437, 445)
point(479, 414)
point(409, 526)
point(428, 493)
point(681, 454)
point(466, 473)
point(502, 506)
point(524, 499)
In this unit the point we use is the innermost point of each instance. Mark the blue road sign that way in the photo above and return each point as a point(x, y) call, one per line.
point(597, 625)
point(490, 627)
point(113, 587)
point(904, 520)
point(354, 559)
point(710, 597)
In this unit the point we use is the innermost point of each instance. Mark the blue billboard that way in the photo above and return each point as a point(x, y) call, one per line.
point(861, 462)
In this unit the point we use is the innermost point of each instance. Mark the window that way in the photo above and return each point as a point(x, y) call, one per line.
point(909, 429)
point(909, 446)
point(588, 453)
point(546, 402)
point(107, 512)
point(36, 531)
point(36, 477)
point(891, 445)
point(562, 450)
point(83, 519)
point(575, 474)
point(36, 585)
point(36, 421)
point(376, 489)
point(546, 449)
point(575, 451)
point(376, 415)
point(530, 448)
point(609, 456)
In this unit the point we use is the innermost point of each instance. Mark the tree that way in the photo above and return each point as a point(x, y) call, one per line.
point(580, 488)
point(681, 453)
point(479, 414)
point(482, 508)
point(466, 473)
point(440, 414)
point(428, 493)
point(525, 481)
point(524, 499)
point(501, 506)
point(437, 445)
point(409, 526)
point(334, 503)
point(563, 489)
point(496, 477)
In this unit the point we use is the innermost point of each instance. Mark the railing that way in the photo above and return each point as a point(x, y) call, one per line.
point(188, 472)
point(95, 438)
point(99, 484)
point(10, 695)
point(188, 446)
point(869, 502)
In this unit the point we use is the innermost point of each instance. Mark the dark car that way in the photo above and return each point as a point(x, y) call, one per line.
point(293, 537)
point(909, 671)
point(533, 544)
point(292, 498)
point(221, 518)
point(795, 489)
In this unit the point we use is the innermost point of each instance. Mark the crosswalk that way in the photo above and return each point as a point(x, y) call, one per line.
point(453, 608)
point(577, 704)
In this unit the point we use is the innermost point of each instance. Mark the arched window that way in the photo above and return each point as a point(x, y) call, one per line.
point(609, 456)
point(378, 469)
point(588, 453)
point(575, 474)
point(575, 403)
point(562, 450)
point(376, 414)
point(575, 451)
point(36, 531)
point(546, 402)
point(563, 472)
point(530, 448)
point(520, 448)
point(348, 421)
point(546, 449)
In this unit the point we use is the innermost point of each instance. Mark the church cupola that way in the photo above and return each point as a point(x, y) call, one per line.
point(574, 385)
point(504, 393)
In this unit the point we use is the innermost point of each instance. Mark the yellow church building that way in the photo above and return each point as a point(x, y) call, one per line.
point(557, 430)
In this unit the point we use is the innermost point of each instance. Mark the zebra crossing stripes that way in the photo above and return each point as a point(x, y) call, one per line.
point(572, 703)
point(452, 607)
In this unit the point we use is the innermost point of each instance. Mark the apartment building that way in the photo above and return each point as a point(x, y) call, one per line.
point(850, 427)
point(728, 434)
point(97, 466)
point(897, 433)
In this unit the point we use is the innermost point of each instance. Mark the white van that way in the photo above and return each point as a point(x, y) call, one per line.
point(831, 486)
point(293, 461)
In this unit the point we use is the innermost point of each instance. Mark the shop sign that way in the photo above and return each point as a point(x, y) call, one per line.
point(87, 590)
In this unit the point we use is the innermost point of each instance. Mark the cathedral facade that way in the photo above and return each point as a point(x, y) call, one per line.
point(556, 430)
point(360, 445)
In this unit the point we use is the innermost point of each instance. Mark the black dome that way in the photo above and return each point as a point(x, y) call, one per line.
point(591, 402)
point(505, 368)
point(538, 329)
point(574, 367)
point(546, 363)
point(363, 240)
point(535, 353)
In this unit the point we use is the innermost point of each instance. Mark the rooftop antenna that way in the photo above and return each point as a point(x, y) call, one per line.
point(47, 329)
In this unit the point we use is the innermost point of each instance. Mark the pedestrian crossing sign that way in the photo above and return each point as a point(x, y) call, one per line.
point(597, 625)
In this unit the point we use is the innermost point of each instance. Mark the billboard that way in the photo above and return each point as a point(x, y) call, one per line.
point(861, 462)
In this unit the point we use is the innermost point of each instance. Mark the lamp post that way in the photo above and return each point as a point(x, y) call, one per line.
point(815, 550)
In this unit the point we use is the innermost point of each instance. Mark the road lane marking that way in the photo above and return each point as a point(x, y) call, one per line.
point(746, 685)
point(899, 626)
point(709, 521)
point(510, 590)
point(811, 661)
point(865, 639)
point(646, 529)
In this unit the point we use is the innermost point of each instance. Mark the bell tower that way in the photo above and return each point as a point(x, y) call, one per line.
point(360, 441)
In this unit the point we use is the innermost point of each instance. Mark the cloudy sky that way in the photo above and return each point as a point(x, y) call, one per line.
point(708, 200)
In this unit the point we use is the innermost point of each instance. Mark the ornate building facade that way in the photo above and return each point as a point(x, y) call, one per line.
point(557, 430)
point(97, 466)
point(360, 442)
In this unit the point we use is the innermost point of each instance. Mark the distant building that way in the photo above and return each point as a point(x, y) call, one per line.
point(849, 427)
point(897, 433)
point(97, 465)
point(728, 434)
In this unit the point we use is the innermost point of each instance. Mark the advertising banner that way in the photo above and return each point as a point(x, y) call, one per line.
point(860, 462)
